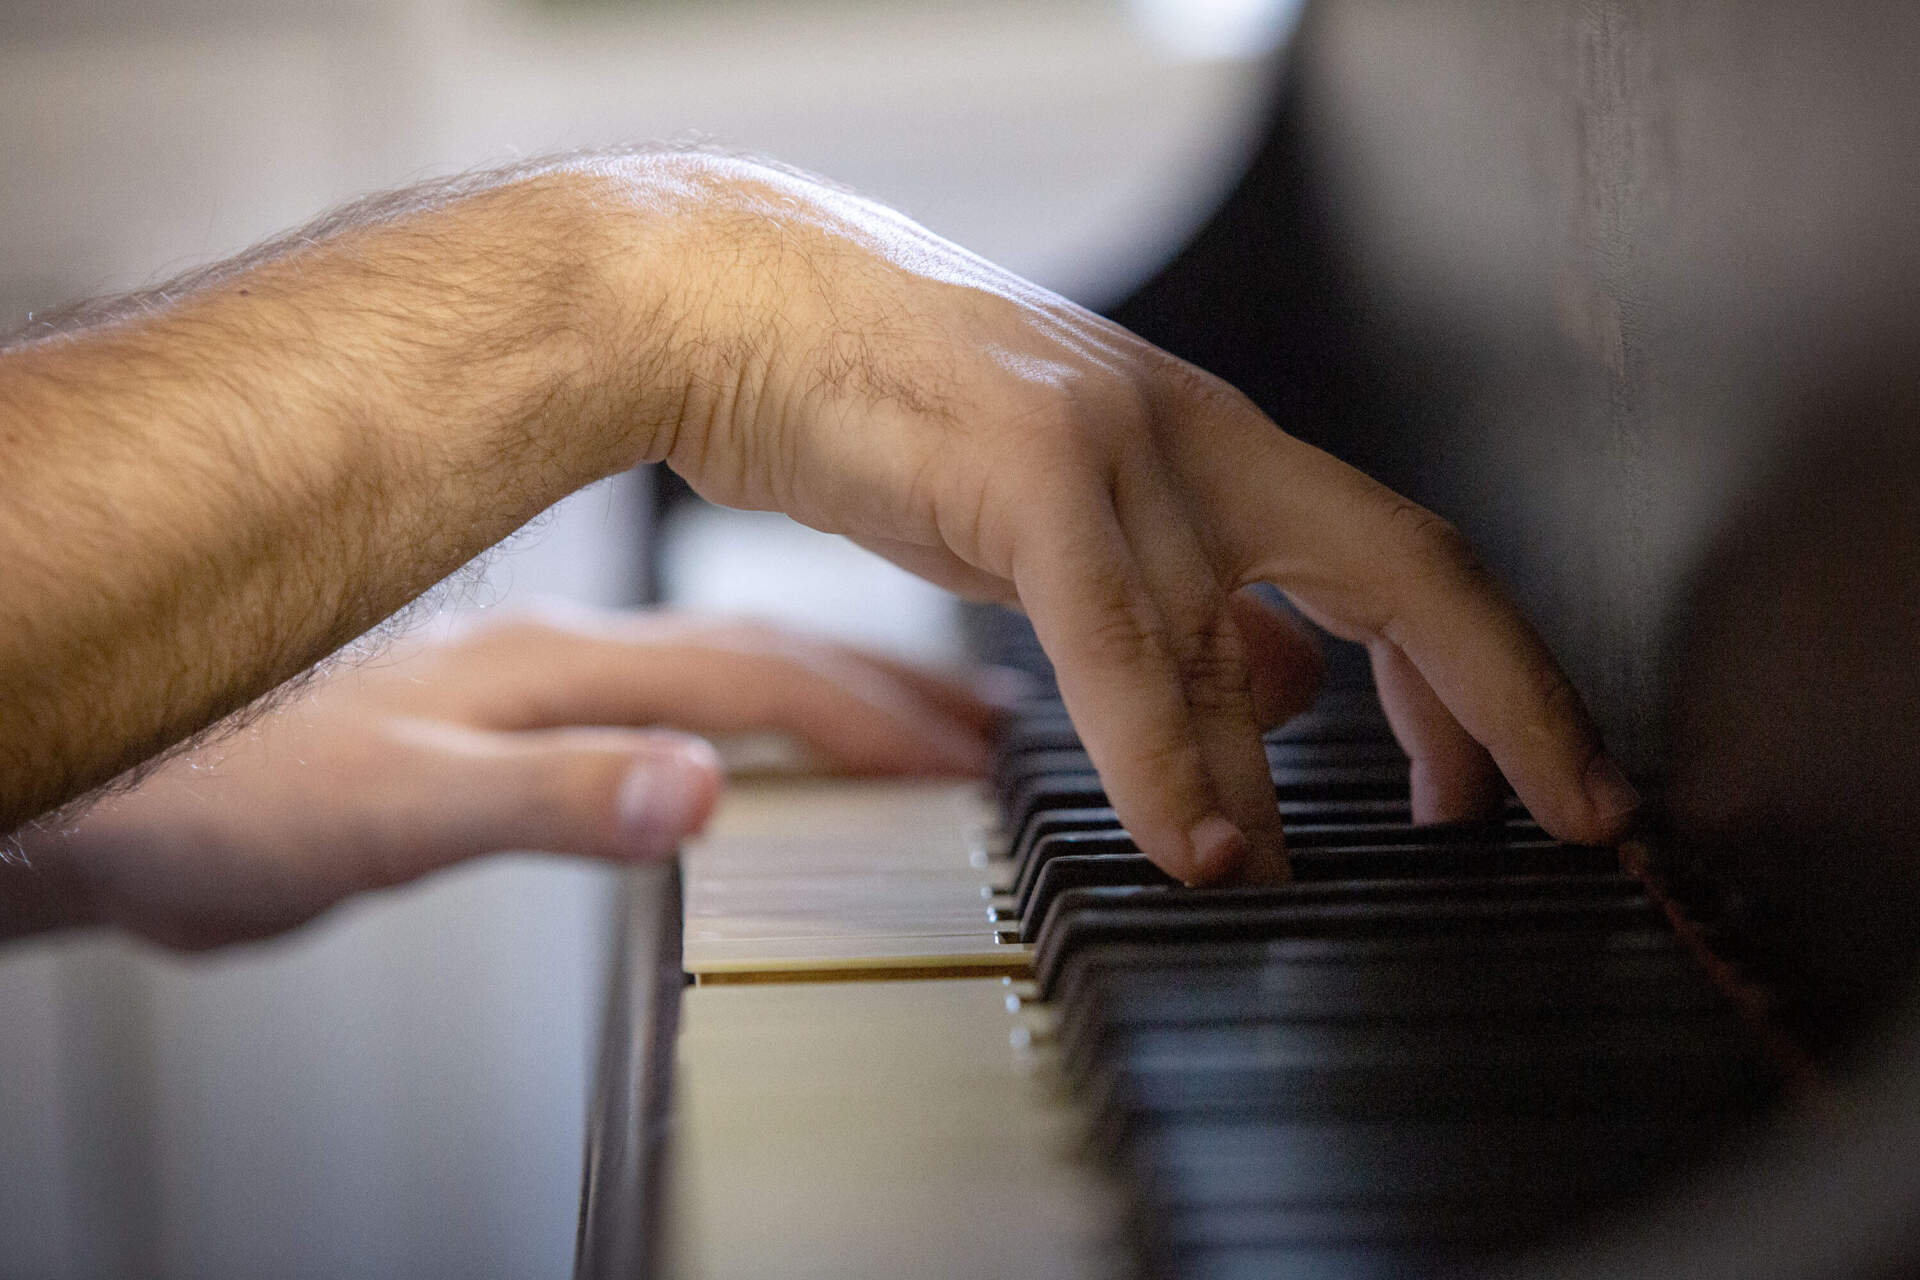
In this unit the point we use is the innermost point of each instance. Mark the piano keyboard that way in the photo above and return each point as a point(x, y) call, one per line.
point(934, 1033)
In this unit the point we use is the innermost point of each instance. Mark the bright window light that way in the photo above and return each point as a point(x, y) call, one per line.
point(1217, 28)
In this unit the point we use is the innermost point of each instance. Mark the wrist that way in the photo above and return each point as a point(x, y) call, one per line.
point(695, 304)
point(612, 273)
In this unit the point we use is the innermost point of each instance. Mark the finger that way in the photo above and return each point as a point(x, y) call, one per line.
point(621, 794)
point(944, 569)
point(1284, 661)
point(1370, 565)
point(975, 700)
point(1452, 777)
point(855, 714)
point(1210, 656)
point(1117, 672)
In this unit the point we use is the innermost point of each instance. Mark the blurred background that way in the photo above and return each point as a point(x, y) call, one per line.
point(399, 1089)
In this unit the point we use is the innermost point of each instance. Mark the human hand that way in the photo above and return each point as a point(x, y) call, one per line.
point(567, 732)
point(859, 373)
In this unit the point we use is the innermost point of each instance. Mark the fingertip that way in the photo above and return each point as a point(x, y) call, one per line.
point(1600, 807)
point(1217, 851)
point(1612, 797)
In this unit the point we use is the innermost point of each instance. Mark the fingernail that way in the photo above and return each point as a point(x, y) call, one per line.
point(1218, 849)
point(1608, 790)
point(663, 800)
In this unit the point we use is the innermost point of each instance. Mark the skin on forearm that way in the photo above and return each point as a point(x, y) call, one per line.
point(201, 499)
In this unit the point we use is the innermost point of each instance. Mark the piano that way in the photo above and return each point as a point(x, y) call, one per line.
point(1626, 291)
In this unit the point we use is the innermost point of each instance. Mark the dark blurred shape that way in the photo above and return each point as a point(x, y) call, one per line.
point(1261, 297)
point(1553, 269)
point(1631, 294)
point(1795, 791)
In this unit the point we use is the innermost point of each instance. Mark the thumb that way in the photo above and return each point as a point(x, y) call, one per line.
point(667, 793)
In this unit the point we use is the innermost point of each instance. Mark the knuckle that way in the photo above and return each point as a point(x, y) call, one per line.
point(1557, 701)
point(1213, 669)
point(1193, 387)
point(1434, 547)
point(1120, 635)
point(1421, 531)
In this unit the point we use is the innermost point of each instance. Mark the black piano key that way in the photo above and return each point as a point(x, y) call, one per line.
point(1306, 815)
point(1090, 973)
point(1107, 841)
point(1453, 859)
point(1314, 1262)
point(1013, 770)
point(1059, 874)
point(1554, 1163)
point(1347, 716)
point(1193, 1229)
point(1317, 783)
point(1418, 853)
point(1045, 729)
point(1307, 826)
point(1620, 1064)
point(1488, 1184)
point(1063, 791)
point(1579, 978)
point(1091, 916)
point(1049, 822)
point(1114, 861)
point(1091, 832)
point(1402, 1241)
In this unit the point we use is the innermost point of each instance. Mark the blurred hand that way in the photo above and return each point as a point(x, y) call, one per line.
point(567, 732)
point(855, 371)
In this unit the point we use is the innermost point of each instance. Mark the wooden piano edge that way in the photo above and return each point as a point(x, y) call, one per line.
point(624, 1174)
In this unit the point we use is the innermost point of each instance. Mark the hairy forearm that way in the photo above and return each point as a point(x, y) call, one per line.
point(201, 498)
